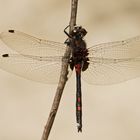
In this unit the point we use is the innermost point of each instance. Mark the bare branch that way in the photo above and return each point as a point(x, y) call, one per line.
point(63, 78)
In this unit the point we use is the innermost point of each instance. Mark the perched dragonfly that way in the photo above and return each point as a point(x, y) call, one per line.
point(40, 60)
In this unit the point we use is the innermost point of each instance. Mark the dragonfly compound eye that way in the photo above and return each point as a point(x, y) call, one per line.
point(83, 32)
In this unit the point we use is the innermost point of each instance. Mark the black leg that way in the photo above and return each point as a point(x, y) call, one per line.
point(67, 42)
point(67, 32)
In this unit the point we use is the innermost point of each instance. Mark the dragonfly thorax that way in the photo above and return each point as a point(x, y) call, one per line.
point(78, 47)
point(79, 54)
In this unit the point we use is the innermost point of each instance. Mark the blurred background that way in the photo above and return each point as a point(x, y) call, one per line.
point(109, 112)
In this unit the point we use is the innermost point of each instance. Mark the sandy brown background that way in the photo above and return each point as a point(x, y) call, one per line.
point(109, 112)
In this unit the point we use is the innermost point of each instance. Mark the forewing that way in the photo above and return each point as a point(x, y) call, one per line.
point(40, 69)
point(29, 45)
point(128, 48)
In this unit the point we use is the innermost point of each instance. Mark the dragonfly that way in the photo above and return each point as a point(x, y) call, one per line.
point(40, 60)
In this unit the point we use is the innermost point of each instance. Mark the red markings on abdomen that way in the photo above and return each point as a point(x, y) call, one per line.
point(78, 68)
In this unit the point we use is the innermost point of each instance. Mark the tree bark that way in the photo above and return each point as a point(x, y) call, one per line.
point(63, 77)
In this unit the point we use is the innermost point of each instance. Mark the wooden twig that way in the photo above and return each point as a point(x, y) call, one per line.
point(63, 77)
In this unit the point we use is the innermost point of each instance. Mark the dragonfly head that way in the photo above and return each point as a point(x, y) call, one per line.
point(78, 32)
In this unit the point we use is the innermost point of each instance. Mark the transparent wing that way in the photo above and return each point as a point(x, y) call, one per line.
point(103, 71)
point(40, 69)
point(113, 62)
point(29, 45)
point(120, 49)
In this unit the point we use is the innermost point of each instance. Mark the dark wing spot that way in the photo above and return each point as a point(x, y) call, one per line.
point(11, 31)
point(5, 55)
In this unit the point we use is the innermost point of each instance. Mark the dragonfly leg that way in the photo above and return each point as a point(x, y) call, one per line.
point(67, 32)
point(67, 42)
